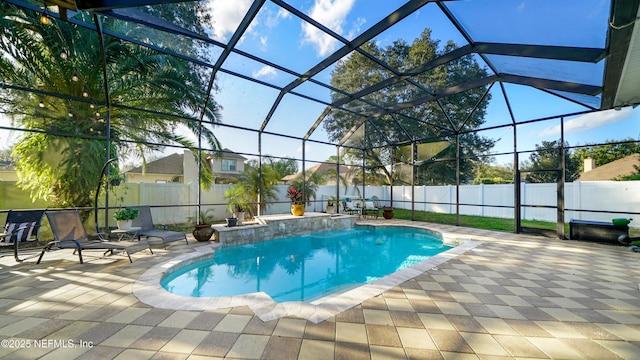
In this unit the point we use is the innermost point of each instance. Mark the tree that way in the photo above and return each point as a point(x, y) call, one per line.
point(5, 156)
point(246, 190)
point(61, 156)
point(282, 167)
point(486, 173)
point(610, 151)
point(358, 72)
point(546, 157)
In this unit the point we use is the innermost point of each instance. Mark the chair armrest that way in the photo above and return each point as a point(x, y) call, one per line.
point(103, 236)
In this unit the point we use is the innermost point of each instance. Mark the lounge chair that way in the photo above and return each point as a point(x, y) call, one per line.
point(21, 228)
point(145, 222)
point(349, 206)
point(69, 233)
point(370, 208)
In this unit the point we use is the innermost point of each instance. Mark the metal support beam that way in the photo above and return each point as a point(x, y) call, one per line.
point(457, 179)
point(260, 189)
point(414, 162)
point(592, 55)
point(96, 5)
point(539, 83)
point(560, 185)
point(517, 202)
point(106, 169)
point(364, 170)
point(393, 170)
point(338, 178)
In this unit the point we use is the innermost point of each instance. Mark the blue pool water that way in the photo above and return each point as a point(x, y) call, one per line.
point(306, 267)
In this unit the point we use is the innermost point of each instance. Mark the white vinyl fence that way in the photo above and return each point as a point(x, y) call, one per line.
point(595, 197)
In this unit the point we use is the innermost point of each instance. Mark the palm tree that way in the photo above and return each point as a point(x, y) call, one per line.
point(61, 103)
point(246, 190)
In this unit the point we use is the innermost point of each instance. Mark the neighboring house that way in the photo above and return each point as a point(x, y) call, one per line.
point(169, 169)
point(228, 167)
point(182, 168)
point(610, 171)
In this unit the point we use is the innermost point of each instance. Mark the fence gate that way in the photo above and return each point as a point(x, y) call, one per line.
point(528, 206)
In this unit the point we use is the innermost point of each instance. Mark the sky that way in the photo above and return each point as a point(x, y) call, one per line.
point(279, 37)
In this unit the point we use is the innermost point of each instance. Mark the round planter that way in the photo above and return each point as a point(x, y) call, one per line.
point(297, 209)
point(203, 232)
point(331, 209)
point(387, 213)
point(231, 222)
point(124, 224)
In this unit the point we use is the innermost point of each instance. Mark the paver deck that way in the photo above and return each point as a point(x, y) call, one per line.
point(511, 296)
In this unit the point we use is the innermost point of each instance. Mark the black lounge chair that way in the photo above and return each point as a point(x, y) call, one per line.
point(370, 209)
point(22, 229)
point(69, 233)
point(145, 222)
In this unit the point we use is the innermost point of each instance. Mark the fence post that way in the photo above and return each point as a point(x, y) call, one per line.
point(482, 197)
point(523, 199)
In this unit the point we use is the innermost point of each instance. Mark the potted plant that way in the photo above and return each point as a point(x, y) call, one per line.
point(231, 221)
point(297, 201)
point(124, 217)
point(203, 229)
point(238, 203)
point(331, 205)
point(387, 212)
point(238, 213)
point(114, 179)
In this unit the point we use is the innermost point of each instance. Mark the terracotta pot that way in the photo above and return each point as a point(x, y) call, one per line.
point(203, 232)
point(297, 209)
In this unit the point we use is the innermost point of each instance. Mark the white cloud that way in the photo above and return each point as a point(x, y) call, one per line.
point(226, 16)
point(330, 13)
point(590, 121)
point(356, 27)
point(283, 14)
point(307, 148)
point(263, 42)
point(264, 71)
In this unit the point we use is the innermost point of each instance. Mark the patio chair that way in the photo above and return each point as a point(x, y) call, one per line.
point(69, 233)
point(21, 229)
point(145, 222)
point(349, 207)
point(370, 209)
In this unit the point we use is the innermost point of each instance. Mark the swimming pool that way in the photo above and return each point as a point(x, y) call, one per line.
point(308, 267)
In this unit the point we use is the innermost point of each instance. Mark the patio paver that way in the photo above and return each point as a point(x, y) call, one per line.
point(512, 296)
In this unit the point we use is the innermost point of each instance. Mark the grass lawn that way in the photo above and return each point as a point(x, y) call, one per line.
point(481, 222)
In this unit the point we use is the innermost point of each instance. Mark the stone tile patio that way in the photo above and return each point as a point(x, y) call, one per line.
point(511, 296)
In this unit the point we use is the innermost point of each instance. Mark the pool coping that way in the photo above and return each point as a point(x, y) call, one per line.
point(149, 291)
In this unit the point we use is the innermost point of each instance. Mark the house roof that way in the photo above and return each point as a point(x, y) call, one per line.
point(172, 164)
point(228, 154)
point(612, 170)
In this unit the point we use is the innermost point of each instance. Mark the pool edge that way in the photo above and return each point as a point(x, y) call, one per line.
point(149, 291)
